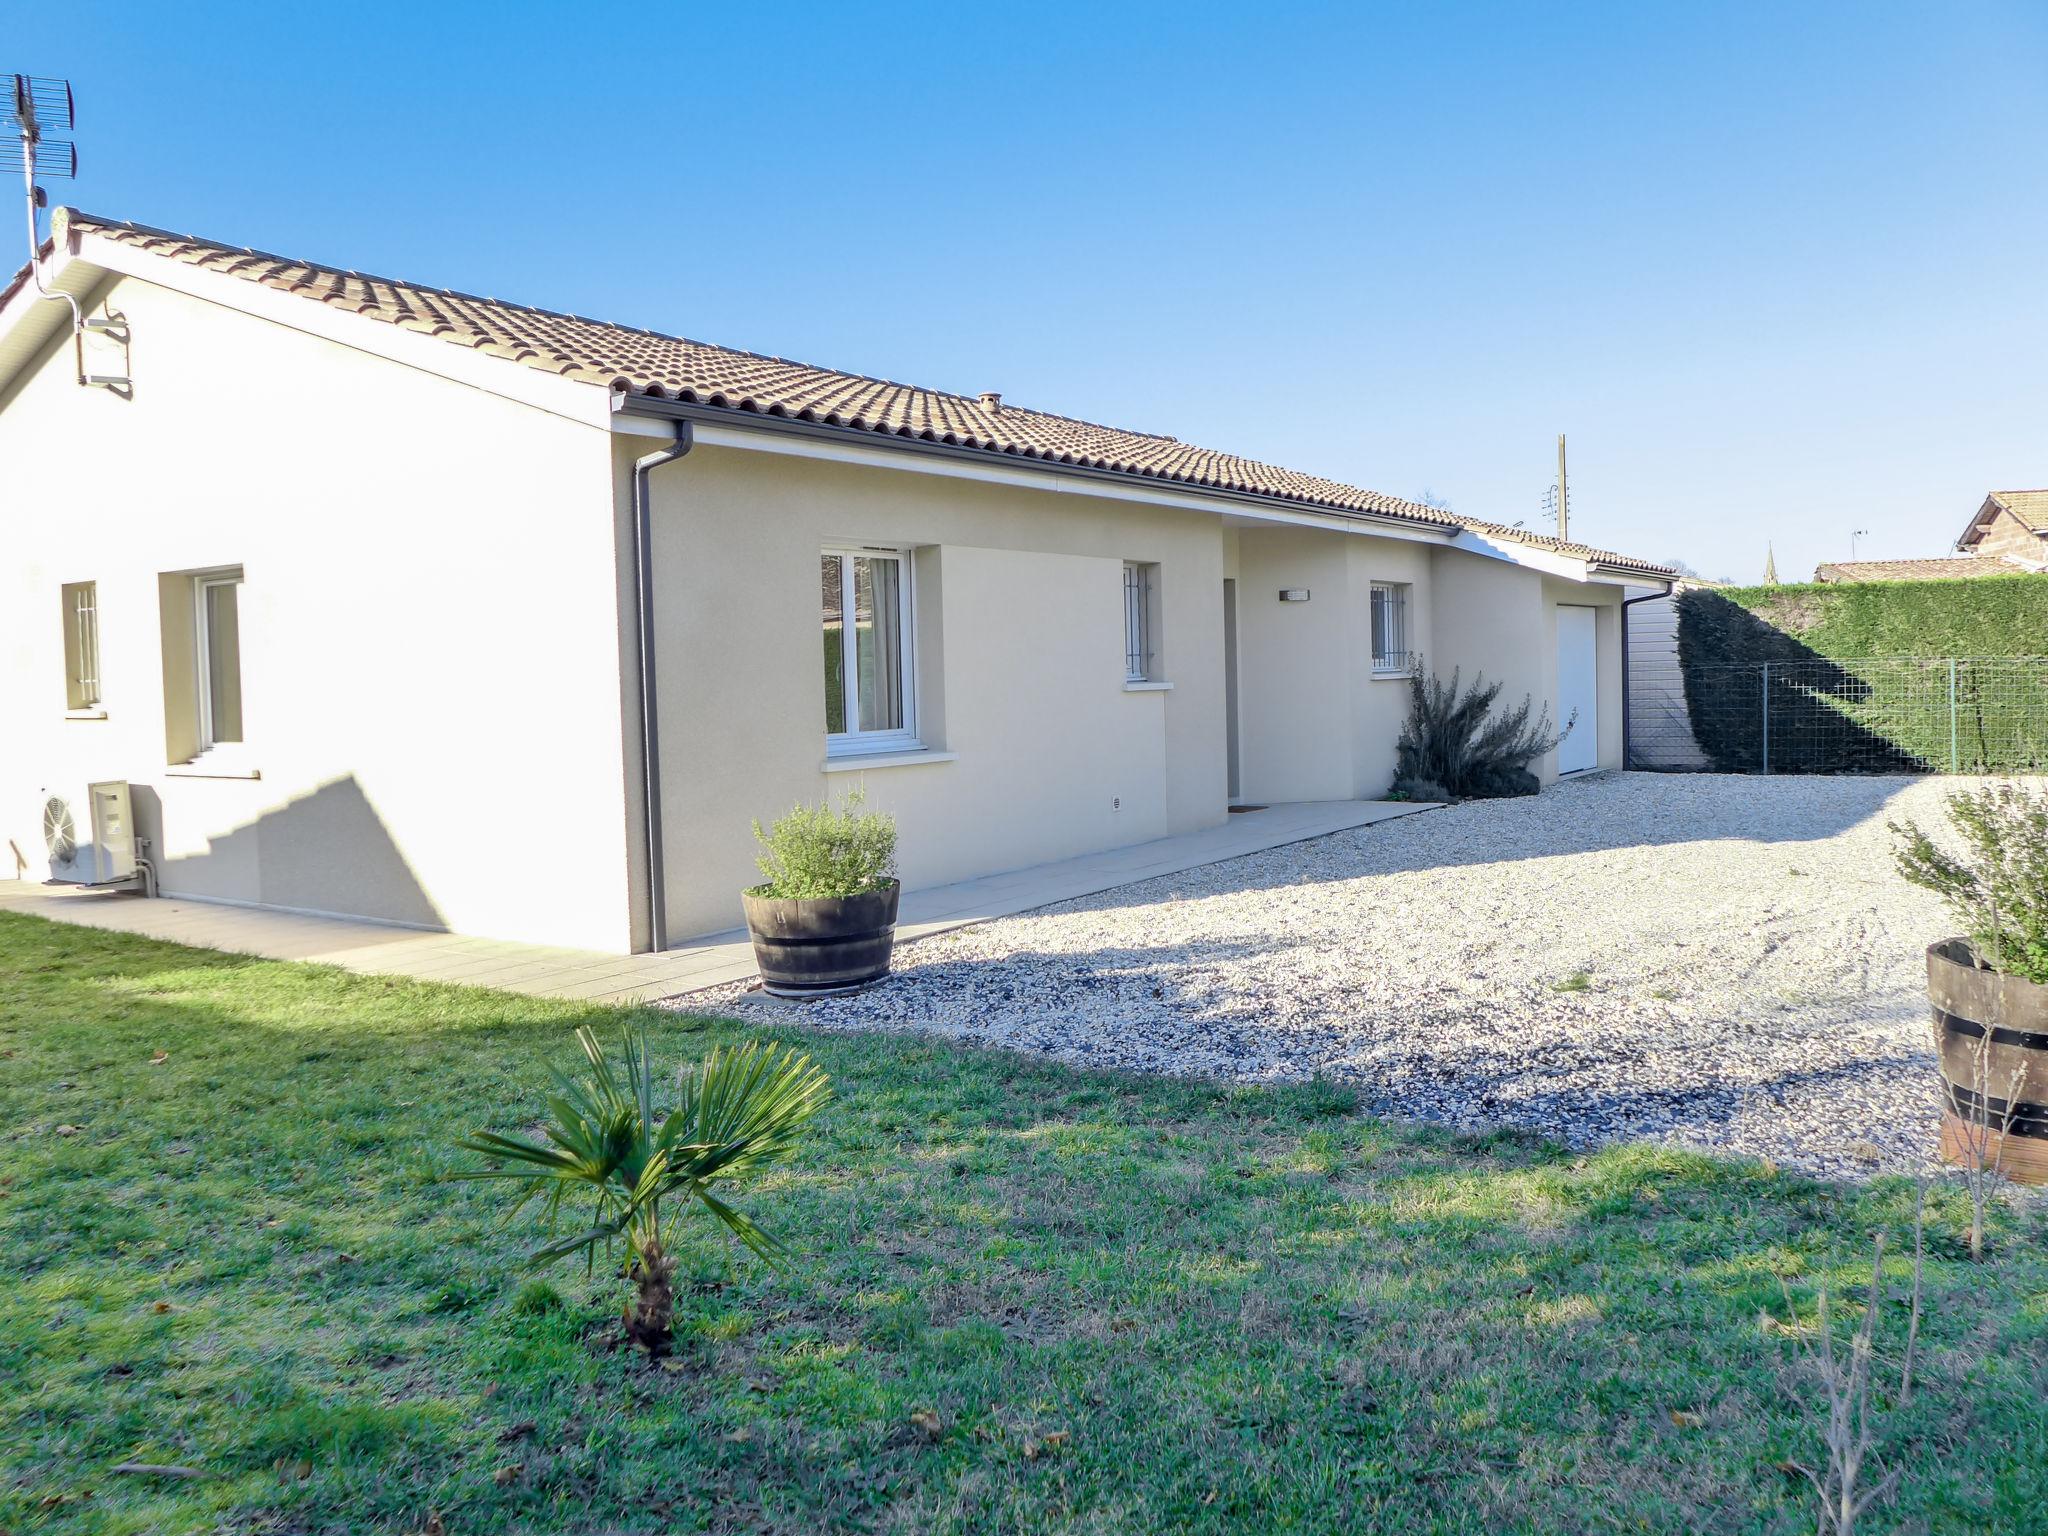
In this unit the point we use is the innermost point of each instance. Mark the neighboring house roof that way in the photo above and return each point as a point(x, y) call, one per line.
point(1936, 568)
point(673, 368)
point(2030, 507)
point(2027, 508)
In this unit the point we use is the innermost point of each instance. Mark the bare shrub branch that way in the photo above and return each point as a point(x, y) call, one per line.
point(1849, 1430)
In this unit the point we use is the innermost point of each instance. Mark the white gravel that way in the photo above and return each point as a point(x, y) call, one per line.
point(1729, 963)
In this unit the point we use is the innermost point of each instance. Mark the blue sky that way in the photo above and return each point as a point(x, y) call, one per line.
point(1781, 272)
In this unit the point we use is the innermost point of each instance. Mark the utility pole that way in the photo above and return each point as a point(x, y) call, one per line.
point(1563, 499)
point(1854, 535)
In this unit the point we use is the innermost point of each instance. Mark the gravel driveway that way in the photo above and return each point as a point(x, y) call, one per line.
point(1726, 962)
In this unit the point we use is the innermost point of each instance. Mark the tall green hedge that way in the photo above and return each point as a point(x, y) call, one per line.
point(1860, 679)
point(1966, 616)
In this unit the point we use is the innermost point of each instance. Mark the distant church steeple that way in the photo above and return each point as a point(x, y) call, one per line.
point(1770, 566)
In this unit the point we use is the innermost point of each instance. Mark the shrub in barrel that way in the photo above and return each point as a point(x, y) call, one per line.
point(1989, 985)
point(824, 920)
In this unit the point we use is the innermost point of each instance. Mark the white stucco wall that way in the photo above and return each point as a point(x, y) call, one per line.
point(1316, 723)
point(1020, 635)
point(429, 626)
point(1506, 629)
point(435, 694)
point(1020, 662)
point(1020, 651)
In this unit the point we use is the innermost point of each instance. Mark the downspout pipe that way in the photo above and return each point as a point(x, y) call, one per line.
point(1627, 740)
point(650, 726)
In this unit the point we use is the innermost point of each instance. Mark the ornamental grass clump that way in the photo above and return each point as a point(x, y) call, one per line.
point(641, 1164)
point(1454, 748)
point(1997, 888)
point(823, 851)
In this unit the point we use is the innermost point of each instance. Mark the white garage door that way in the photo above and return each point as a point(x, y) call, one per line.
point(1578, 689)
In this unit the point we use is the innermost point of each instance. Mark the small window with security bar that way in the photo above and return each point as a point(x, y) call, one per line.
point(1141, 622)
point(81, 645)
point(1390, 653)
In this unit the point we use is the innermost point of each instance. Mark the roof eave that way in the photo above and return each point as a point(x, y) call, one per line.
point(1555, 562)
point(1635, 575)
point(28, 319)
point(994, 462)
point(96, 257)
point(860, 442)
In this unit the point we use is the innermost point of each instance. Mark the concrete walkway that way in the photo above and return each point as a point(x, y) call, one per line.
point(714, 960)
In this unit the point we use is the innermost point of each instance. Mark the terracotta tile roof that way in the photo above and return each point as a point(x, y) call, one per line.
point(673, 368)
point(2030, 507)
point(1937, 568)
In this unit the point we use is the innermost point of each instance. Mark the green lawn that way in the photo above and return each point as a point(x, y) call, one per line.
point(1133, 1305)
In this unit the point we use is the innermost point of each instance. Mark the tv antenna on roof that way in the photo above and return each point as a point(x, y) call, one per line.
point(36, 108)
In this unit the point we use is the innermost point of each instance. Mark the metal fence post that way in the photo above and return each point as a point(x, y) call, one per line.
point(1954, 762)
point(1767, 717)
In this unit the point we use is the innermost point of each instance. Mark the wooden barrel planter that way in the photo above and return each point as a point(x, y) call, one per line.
point(1992, 1032)
point(820, 946)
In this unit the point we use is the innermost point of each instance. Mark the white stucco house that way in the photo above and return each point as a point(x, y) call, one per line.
point(398, 603)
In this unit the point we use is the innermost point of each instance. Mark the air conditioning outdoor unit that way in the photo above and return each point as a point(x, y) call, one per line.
point(90, 836)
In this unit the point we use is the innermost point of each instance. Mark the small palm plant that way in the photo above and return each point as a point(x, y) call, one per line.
point(642, 1166)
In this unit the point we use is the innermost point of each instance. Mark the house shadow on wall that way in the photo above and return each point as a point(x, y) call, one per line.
point(327, 851)
point(1799, 716)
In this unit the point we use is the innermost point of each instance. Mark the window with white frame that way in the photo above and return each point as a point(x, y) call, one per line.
point(217, 621)
point(1390, 651)
point(869, 698)
point(81, 645)
point(1141, 622)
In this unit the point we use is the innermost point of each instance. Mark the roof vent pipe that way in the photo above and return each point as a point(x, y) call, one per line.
point(991, 402)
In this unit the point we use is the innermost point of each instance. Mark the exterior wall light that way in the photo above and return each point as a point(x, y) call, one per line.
point(1294, 594)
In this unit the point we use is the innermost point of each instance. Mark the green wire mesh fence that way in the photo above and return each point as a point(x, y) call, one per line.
point(1890, 714)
